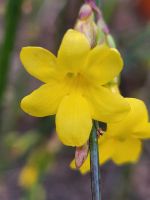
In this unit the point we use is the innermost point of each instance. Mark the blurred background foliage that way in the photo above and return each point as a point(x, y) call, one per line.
point(33, 163)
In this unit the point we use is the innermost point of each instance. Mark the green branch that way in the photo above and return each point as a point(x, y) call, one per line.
point(12, 17)
point(94, 155)
point(98, 2)
point(94, 163)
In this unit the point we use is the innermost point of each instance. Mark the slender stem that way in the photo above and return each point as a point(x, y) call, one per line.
point(94, 156)
point(98, 2)
point(12, 17)
point(94, 161)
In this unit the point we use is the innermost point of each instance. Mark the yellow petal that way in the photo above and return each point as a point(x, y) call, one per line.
point(142, 131)
point(38, 62)
point(106, 150)
point(45, 100)
point(105, 105)
point(127, 151)
point(73, 120)
point(72, 164)
point(132, 122)
point(73, 51)
point(103, 64)
point(138, 110)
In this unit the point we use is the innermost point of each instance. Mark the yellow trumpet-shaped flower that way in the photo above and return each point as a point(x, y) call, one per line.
point(122, 141)
point(73, 86)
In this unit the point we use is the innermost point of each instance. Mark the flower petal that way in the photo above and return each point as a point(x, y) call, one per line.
point(38, 62)
point(73, 51)
point(45, 100)
point(103, 64)
point(127, 151)
point(106, 149)
point(73, 120)
point(105, 105)
point(142, 131)
point(133, 122)
point(138, 110)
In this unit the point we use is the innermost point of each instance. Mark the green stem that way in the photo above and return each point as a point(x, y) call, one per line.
point(94, 162)
point(12, 17)
point(94, 156)
point(98, 2)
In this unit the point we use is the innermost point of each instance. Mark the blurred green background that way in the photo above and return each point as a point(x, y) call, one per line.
point(33, 162)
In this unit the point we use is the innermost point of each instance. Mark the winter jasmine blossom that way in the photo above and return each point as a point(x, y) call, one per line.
point(73, 86)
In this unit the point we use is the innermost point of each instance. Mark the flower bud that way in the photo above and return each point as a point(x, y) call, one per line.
point(110, 41)
point(85, 12)
point(81, 154)
point(86, 24)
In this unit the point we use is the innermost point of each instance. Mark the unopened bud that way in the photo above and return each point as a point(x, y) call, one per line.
point(101, 39)
point(85, 12)
point(110, 41)
point(102, 25)
point(86, 24)
point(81, 154)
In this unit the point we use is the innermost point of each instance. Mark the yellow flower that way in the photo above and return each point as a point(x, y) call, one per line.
point(73, 86)
point(135, 124)
point(122, 141)
point(28, 176)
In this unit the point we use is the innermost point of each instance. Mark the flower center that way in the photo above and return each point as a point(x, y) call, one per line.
point(72, 74)
point(76, 80)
